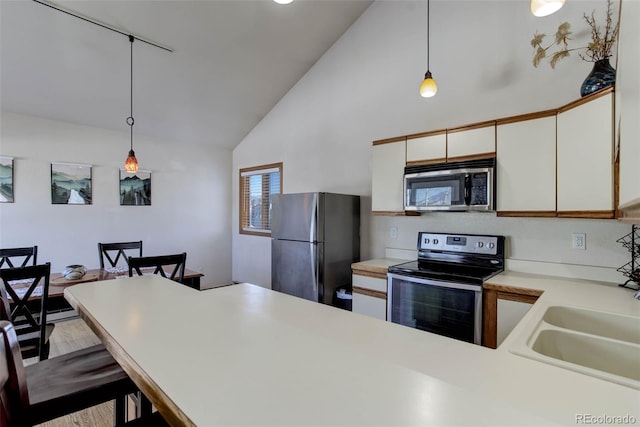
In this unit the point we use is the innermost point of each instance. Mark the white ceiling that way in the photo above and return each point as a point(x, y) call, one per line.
point(233, 60)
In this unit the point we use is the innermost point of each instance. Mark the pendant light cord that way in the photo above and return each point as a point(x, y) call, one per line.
point(428, 30)
point(130, 120)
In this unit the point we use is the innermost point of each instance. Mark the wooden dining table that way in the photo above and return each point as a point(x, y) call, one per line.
point(58, 284)
point(250, 356)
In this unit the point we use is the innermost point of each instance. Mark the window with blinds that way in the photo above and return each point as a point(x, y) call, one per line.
point(257, 185)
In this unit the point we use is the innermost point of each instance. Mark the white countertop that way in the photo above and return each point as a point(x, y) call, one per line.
point(270, 358)
point(551, 392)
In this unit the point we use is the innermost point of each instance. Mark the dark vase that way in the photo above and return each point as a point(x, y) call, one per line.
point(602, 75)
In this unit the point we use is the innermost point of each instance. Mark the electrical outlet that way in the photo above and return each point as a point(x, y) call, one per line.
point(393, 233)
point(579, 241)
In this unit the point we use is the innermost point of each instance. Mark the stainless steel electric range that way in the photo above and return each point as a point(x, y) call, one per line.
point(441, 292)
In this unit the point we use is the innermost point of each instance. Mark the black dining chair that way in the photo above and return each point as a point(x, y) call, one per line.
point(25, 305)
point(10, 257)
point(175, 263)
point(113, 251)
point(61, 385)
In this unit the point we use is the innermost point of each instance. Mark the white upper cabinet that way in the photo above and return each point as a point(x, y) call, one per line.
point(586, 157)
point(389, 159)
point(526, 166)
point(471, 142)
point(428, 148)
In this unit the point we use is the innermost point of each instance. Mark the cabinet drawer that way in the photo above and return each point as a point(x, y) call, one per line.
point(372, 283)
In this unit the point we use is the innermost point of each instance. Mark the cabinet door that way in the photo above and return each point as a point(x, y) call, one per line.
point(369, 306)
point(463, 144)
point(387, 177)
point(526, 167)
point(369, 296)
point(585, 159)
point(509, 315)
point(426, 149)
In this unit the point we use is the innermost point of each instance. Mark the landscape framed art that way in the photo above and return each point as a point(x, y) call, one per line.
point(71, 184)
point(135, 188)
point(6, 179)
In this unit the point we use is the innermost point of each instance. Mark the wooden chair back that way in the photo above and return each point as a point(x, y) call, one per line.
point(8, 257)
point(28, 316)
point(175, 263)
point(14, 394)
point(107, 250)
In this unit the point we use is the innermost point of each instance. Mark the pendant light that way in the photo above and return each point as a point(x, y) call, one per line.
point(131, 164)
point(428, 88)
point(545, 7)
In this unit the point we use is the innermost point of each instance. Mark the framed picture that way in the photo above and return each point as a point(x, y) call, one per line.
point(6, 179)
point(71, 184)
point(135, 188)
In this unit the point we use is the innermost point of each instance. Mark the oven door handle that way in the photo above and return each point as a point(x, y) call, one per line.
point(431, 282)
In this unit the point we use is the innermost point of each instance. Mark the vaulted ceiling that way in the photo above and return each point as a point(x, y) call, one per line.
point(233, 60)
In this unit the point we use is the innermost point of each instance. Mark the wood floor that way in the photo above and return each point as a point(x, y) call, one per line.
point(68, 336)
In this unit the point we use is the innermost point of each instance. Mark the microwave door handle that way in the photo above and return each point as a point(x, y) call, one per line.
point(467, 189)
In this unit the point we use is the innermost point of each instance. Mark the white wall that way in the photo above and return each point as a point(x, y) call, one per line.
point(366, 88)
point(190, 199)
point(628, 101)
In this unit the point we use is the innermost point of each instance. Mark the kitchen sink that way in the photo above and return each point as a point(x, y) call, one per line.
point(592, 352)
point(596, 343)
point(610, 325)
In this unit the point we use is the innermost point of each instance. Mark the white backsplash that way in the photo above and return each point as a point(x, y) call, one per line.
point(533, 245)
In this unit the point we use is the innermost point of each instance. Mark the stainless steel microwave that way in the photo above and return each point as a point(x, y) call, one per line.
point(458, 186)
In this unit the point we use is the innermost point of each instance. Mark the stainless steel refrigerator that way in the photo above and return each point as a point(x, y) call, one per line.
point(315, 239)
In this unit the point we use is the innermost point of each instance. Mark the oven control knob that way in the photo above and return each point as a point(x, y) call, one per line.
point(480, 244)
point(426, 241)
point(435, 241)
point(491, 245)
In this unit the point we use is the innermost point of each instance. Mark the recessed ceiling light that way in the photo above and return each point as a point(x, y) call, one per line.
point(283, 1)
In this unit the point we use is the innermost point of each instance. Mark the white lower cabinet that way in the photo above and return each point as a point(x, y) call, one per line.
point(370, 296)
point(509, 315)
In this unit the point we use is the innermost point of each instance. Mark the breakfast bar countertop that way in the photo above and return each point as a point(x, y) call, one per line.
point(282, 355)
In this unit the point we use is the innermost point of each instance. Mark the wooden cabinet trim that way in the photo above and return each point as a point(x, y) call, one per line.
point(369, 292)
point(537, 214)
point(479, 156)
point(512, 290)
point(587, 214)
point(472, 126)
point(390, 140)
point(424, 134)
point(427, 162)
point(369, 273)
point(490, 318)
point(586, 99)
point(528, 116)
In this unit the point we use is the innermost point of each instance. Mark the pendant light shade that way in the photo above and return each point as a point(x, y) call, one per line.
point(545, 7)
point(428, 88)
point(131, 164)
